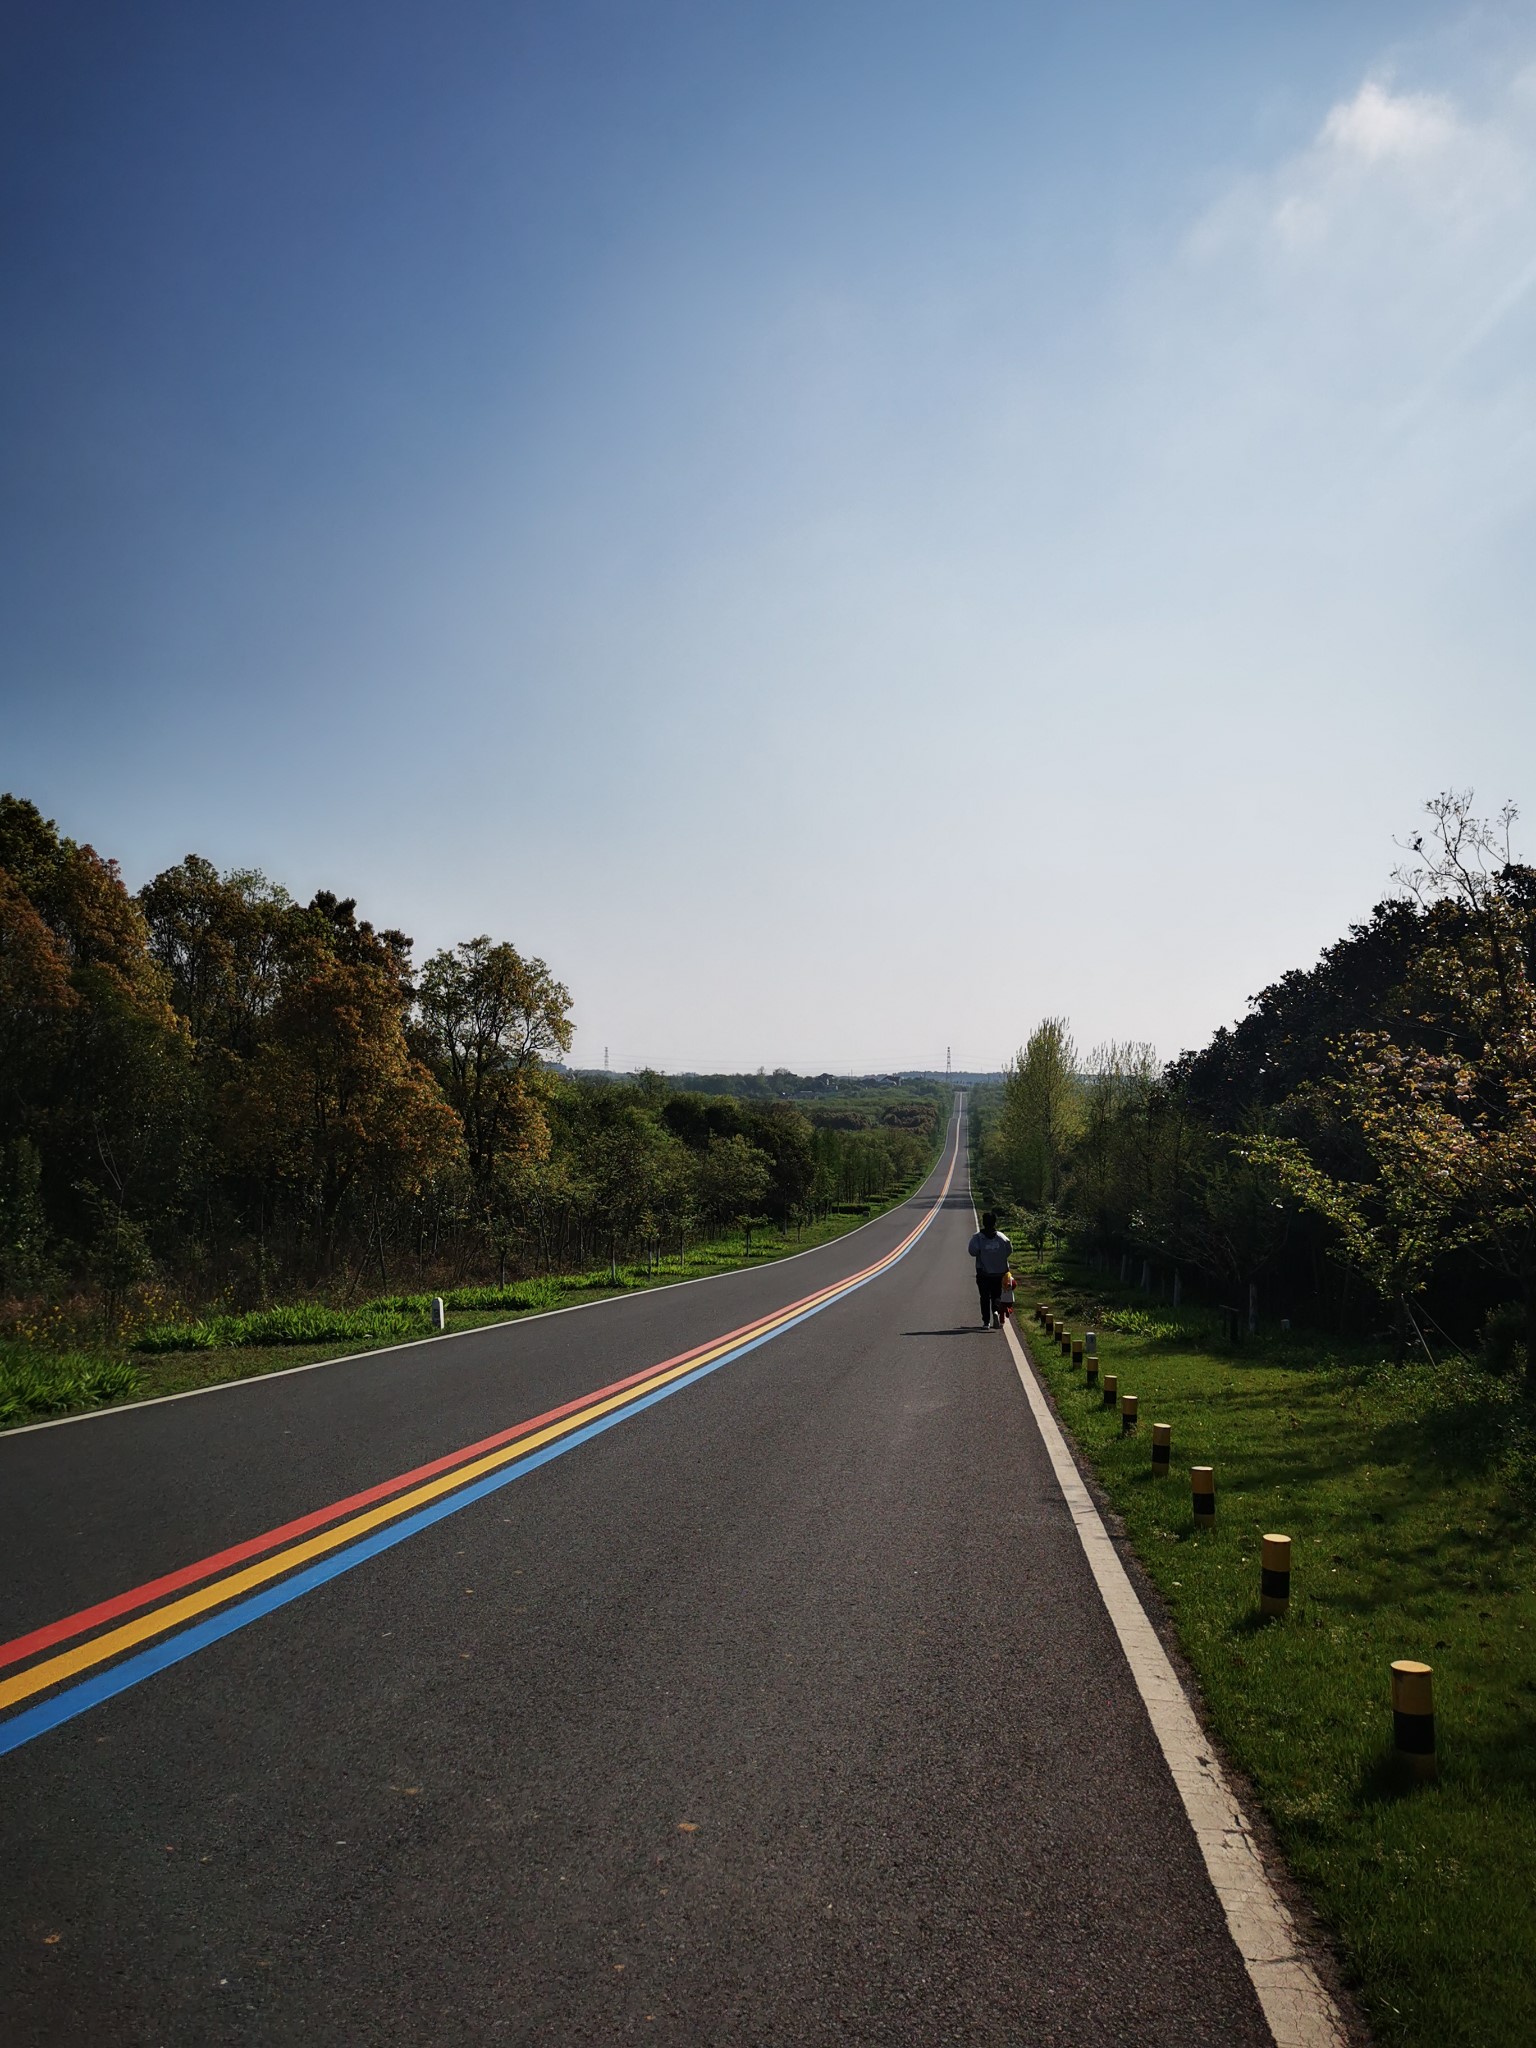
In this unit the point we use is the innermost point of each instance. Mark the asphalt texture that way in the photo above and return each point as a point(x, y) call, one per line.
point(786, 1711)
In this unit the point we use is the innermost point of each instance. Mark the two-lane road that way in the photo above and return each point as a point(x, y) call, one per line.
point(777, 1704)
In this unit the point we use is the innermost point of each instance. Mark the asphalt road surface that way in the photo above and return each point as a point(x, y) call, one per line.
point(782, 1710)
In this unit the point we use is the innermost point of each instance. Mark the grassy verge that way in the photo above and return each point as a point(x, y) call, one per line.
point(1407, 1494)
point(37, 1383)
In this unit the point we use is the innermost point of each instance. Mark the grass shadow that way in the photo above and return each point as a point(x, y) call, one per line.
point(1387, 1780)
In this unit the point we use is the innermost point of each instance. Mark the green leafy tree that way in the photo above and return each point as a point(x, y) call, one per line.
point(633, 1165)
point(1041, 1112)
point(733, 1179)
point(228, 945)
point(489, 1019)
point(1408, 1109)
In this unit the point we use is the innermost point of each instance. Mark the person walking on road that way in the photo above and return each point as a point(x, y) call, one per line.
point(992, 1253)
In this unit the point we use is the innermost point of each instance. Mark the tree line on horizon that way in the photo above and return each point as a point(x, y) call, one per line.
point(211, 1084)
point(1359, 1151)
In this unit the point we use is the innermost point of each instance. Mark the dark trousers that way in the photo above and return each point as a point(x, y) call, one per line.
point(990, 1287)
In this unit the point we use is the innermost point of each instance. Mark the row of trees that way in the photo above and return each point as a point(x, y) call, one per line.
point(211, 1081)
point(1364, 1140)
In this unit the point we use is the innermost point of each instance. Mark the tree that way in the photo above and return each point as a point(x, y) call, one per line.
point(1040, 1113)
point(91, 1046)
point(488, 1020)
point(1473, 988)
point(784, 1137)
point(333, 1101)
point(227, 944)
point(1109, 1174)
point(733, 1178)
point(1209, 1202)
point(1407, 1108)
point(633, 1178)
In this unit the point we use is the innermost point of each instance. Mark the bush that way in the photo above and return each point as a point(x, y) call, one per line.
point(52, 1382)
point(1137, 1322)
point(306, 1322)
point(528, 1294)
point(1504, 1338)
point(311, 1322)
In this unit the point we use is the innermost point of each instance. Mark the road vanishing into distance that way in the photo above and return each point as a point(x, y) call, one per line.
point(717, 1665)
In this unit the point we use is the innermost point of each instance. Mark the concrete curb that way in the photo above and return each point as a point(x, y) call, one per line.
point(1296, 2005)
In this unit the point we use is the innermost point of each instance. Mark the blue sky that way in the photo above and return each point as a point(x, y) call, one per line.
point(844, 528)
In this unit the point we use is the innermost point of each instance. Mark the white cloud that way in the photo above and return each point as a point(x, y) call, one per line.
point(1410, 172)
point(1337, 366)
point(1375, 124)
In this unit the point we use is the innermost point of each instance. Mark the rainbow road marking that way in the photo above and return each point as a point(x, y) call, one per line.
point(170, 1618)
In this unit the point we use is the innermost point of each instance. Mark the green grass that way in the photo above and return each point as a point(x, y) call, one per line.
point(393, 1318)
point(35, 1384)
point(305, 1322)
point(1406, 1492)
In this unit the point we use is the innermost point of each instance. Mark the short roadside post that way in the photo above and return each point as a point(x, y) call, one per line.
point(1413, 1716)
point(1275, 1575)
point(439, 1313)
point(1162, 1449)
point(1128, 1406)
point(1202, 1488)
point(1111, 1390)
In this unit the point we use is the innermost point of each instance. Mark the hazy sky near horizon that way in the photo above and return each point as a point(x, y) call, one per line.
point(843, 527)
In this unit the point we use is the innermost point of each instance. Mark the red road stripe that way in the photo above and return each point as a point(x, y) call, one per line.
point(61, 1631)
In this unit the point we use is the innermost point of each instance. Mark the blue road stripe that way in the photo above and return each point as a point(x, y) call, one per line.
point(105, 1685)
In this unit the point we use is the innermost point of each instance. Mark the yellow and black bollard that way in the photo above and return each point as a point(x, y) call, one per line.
point(1162, 1448)
point(1413, 1716)
point(1128, 1414)
point(1040, 1313)
point(1202, 1487)
point(1111, 1390)
point(1077, 1352)
point(1066, 1343)
point(1092, 1365)
point(1275, 1575)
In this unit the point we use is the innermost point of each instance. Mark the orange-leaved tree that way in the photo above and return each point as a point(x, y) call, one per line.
point(333, 1104)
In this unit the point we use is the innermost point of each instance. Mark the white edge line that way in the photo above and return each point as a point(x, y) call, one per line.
point(1294, 2001)
point(287, 1372)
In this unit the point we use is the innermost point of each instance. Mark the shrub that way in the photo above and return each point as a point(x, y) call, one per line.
point(528, 1294)
point(51, 1382)
point(1138, 1322)
point(305, 1322)
point(1504, 1338)
point(311, 1322)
